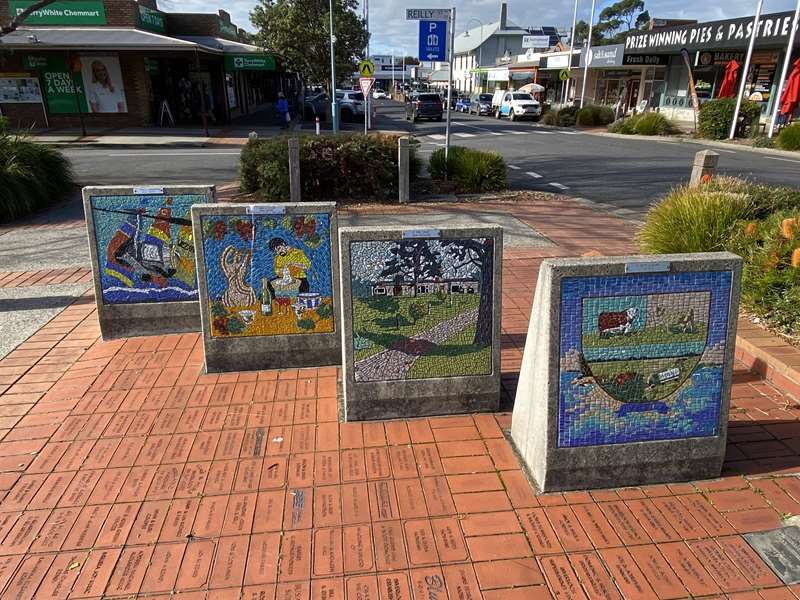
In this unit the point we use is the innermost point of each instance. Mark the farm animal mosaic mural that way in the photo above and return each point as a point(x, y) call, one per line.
point(638, 364)
point(422, 308)
point(145, 248)
point(268, 275)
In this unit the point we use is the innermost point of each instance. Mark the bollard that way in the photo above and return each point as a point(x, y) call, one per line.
point(705, 164)
point(294, 169)
point(252, 136)
point(403, 168)
point(317, 124)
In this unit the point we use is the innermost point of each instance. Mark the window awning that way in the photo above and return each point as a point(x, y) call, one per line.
point(217, 43)
point(96, 38)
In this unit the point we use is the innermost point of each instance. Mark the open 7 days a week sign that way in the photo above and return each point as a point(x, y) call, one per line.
point(627, 370)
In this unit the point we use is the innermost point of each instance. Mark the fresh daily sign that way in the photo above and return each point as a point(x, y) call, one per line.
point(730, 33)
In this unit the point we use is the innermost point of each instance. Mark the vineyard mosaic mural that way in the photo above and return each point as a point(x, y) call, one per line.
point(638, 364)
point(422, 308)
point(144, 247)
point(268, 275)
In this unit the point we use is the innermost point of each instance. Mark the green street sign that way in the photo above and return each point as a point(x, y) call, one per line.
point(152, 20)
point(60, 85)
point(63, 12)
point(249, 62)
point(30, 61)
point(228, 29)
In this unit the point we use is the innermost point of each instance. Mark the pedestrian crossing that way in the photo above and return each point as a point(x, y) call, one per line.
point(440, 137)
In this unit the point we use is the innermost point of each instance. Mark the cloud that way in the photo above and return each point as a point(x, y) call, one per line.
point(238, 9)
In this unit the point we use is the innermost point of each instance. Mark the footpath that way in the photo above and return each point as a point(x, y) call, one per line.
point(125, 471)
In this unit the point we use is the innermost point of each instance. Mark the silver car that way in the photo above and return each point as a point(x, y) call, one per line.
point(351, 104)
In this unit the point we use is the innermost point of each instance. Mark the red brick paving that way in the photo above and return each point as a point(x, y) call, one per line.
point(125, 471)
point(11, 279)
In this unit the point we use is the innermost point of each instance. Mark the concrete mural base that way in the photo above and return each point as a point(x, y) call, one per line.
point(255, 333)
point(116, 216)
point(412, 319)
point(630, 384)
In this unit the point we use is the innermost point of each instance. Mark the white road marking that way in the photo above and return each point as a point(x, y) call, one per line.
point(515, 167)
point(783, 159)
point(464, 135)
point(515, 132)
point(533, 174)
point(570, 132)
point(542, 132)
point(171, 153)
point(558, 186)
point(437, 136)
point(476, 127)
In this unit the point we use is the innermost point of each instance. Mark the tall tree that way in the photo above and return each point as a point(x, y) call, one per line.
point(413, 261)
point(298, 31)
point(478, 254)
point(614, 23)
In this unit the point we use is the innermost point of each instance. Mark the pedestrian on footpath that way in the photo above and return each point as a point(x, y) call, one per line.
point(283, 110)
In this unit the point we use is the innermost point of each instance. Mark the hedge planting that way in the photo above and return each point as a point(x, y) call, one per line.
point(332, 167)
point(649, 123)
point(472, 171)
point(594, 115)
point(714, 122)
point(789, 137)
point(32, 176)
point(758, 222)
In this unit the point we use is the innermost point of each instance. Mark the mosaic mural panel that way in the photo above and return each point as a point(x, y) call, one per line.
point(638, 364)
point(422, 308)
point(145, 248)
point(268, 275)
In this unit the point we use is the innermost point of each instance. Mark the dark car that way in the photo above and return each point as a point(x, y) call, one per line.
point(424, 106)
point(316, 105)
point(481, 104)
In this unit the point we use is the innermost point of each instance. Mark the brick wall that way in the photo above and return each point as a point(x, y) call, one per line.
point(121, 13)
point(192, 24)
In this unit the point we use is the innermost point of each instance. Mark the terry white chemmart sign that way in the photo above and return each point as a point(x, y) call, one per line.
point(245, 62)
point(65, 12)
point(772, 29)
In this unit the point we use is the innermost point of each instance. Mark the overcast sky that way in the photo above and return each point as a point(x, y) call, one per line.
point(391, 30)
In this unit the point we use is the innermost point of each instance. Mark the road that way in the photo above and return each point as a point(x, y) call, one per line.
point(627, 173)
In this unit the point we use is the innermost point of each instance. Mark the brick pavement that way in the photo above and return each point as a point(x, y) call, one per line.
point(125, 471)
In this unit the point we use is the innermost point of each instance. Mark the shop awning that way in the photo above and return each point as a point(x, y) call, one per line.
point(216, 43)
point(94, 38)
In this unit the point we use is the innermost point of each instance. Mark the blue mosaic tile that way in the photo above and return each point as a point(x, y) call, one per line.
point(642, 357)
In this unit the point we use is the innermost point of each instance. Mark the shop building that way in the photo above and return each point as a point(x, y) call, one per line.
point(709, 48)
point(125, 63)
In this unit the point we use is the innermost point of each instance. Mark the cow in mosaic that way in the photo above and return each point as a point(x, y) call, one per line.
point(616, 323)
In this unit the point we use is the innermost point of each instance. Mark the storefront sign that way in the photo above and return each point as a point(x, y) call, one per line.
point(20, 90)
point(250, 62)
point(60, 87)
point(645, 60)
point(34, 62)
point(555, 62)
point(152, 20)
point(603, 56)
point(228, 30)
point(72, 12)
point(498, 75)
point(152, 66)
point(535, 41)
point(730, 33)
point(719, 58)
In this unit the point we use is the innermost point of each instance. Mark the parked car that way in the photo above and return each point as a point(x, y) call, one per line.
point(316, 105)
point(379, 94)
point(424, 106)
point(462, 104)
point(518, 105)
point(351, 105)
point(481, 104)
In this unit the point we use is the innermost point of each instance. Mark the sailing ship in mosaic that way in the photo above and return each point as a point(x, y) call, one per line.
point(268, 275)
point(422, 308)
point(638, 364)
point(145, 248)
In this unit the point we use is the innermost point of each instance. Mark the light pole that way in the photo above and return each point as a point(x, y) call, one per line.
point(746, 68)
point(786, 62)
point(334, 115)
point(568, 83)
point(586, 58)
point(393, 90)
point(480, 50)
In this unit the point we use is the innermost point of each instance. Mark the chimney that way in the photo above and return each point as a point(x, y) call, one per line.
point(503, 15)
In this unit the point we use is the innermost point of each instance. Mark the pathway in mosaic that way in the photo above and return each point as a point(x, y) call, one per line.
point(125, 472)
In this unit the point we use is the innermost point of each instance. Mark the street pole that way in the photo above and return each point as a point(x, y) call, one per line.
point(334, 115)
point(450, 60)
point(393, 90)
point(586, 59)
point(568, 82)
point(743, 83)
point(787, 61)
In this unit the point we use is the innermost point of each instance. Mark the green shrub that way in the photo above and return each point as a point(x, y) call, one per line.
point(762, 141)
point(626, 126)
point(585, 117)
point(693, 219)
point(550, 117)
point(4, 126)
point(32, 176)
point(472, 171)
point(333, 167)
point(566, 116)
point(789, 137)
point(715, 118)
point(603, 115)
point(653, 123)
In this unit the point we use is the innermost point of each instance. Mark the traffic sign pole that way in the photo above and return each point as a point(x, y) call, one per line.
point(449, 85)
point(366, 83)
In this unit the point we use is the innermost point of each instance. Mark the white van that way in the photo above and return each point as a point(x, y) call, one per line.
point(515, 105)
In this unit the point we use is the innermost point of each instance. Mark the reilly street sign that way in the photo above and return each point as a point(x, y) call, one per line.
point(427, 14)
point(433, 40)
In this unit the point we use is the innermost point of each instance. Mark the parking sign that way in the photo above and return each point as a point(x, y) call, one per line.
point(433, 40)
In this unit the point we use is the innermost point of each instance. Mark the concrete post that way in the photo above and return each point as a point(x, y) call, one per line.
point(403, 168)
point(705, 164)
point(294, 169)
